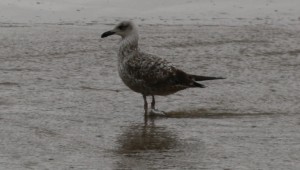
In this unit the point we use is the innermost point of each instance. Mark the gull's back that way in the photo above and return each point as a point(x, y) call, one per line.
point(148, 74)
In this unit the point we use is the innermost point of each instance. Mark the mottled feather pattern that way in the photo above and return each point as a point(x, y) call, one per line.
point(149, 68)
point(148, 74)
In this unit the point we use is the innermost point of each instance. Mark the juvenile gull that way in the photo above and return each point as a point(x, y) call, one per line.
point(146, 73)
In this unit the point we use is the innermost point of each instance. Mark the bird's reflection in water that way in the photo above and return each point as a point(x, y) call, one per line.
point(150, 146)
point(145, 146)
point(146, 137)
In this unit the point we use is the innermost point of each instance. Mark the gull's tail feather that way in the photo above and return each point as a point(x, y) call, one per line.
point(204, 78)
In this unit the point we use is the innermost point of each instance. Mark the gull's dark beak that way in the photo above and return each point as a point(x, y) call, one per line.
point(108, 33)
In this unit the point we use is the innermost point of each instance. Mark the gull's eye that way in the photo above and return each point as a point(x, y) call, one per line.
point(122, 27)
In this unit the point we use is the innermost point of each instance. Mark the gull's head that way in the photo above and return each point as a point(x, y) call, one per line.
point(123, 29)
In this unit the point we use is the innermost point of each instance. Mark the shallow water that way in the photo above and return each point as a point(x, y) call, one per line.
point(63, 105)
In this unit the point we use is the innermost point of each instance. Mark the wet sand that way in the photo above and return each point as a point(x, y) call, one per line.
point(63, 105)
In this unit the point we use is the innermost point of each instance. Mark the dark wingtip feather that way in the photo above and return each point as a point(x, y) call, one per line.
point(204, 78)
point(199, 85)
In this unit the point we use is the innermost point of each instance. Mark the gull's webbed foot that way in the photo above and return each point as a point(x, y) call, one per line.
point(155, 112)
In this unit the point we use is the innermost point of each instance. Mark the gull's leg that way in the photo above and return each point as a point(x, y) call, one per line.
point(155, 111)
point(145, 104)
point(153, 103)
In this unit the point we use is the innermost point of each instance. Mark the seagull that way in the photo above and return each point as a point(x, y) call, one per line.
point(146, 73)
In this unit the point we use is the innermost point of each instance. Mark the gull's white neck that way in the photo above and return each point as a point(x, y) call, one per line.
point(129, 42)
